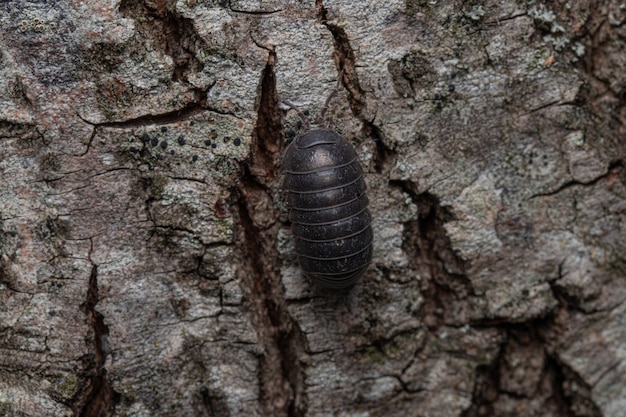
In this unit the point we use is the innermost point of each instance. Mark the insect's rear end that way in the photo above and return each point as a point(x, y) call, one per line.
point(328, 208)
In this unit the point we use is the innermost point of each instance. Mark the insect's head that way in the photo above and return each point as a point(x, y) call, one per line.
point(320, 122)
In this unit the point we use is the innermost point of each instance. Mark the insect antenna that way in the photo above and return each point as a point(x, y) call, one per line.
point(320, 119)
point(305, 121)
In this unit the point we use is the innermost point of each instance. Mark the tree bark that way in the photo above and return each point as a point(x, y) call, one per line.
point(146, 262)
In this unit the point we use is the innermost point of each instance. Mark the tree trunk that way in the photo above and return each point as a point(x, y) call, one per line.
point(146, 262)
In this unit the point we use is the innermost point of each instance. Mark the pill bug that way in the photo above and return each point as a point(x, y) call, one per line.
point(325, 193)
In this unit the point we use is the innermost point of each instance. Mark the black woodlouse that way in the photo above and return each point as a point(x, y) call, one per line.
point(327, 207)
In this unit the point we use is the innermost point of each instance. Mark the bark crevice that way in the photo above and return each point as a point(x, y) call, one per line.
point(447, 288)
point(613, 169)
point(176, 34)
point(186, 112)
point(527, 372)
point(281, 375)
point(99, 398)
point(344, 54)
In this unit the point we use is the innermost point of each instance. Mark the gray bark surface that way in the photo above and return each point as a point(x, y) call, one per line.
point(146, 262)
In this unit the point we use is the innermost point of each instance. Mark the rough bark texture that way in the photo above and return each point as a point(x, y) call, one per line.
point(146, 264)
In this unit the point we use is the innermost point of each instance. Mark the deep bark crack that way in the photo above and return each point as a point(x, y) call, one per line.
point(613, 169)
point(99, 398)
point(572, 391)
point(176, 33)
point(347, 61)
point(559, 390)
point(447, 288)
point(281, 376)
point(189, 110)
point(347, 64)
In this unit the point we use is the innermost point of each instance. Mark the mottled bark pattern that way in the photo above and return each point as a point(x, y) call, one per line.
point(146, 262)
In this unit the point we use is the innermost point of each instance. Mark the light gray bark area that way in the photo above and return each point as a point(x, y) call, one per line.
point(146, 263)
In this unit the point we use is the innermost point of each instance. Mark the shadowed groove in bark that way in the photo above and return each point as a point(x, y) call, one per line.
point(346, 58)
point(448, 291)
point(385, 157)
point(350, 80)
point(447, 286)
point(574, 391)
point(485, 390)
point(211, 405)
point(281, 375)
point(189, 110)
point(614, 169)
point(98, 399)
point(604, 100)
point(176, 34)
point(268, 130)
point(558, 390)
